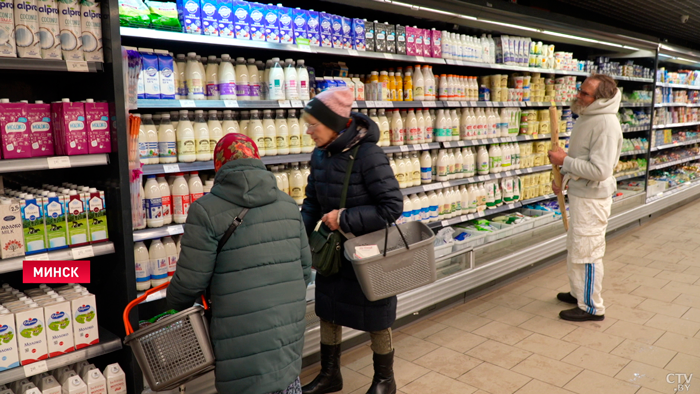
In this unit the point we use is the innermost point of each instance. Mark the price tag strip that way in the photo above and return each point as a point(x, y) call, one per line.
point(58, 162)
point(187, 104)
point(79, 67)
point(175, 230)
point(82, 252)
point(35, 368)
point(168, 168)
point(230, 103)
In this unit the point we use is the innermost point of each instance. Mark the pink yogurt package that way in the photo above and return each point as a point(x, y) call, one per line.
point(97, 124)
point(427, 46)
point(70, 135)
point(411, 33)
point(419, 40)
point(14, 127)
point(436, 43)
point(39, 116)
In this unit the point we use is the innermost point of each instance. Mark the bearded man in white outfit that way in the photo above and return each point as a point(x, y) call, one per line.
point(594, 150)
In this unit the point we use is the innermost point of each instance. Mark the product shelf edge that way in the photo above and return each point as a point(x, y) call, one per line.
point(15, 263)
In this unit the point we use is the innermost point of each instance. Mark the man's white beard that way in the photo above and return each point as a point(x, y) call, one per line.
point(577, 107)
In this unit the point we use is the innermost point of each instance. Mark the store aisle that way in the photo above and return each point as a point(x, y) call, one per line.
point(512, 341)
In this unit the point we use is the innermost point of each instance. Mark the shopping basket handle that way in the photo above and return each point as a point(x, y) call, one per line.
point(127, 325)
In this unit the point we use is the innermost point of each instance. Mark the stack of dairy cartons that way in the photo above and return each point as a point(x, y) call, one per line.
point(81, 377)
point(47, 29)
point(45, 322)
point(53, 218)
point(61, 128)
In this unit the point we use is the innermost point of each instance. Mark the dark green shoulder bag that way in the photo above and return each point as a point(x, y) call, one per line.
point(326, 245)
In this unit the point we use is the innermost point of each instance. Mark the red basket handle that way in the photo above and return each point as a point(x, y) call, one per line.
point(127, 325)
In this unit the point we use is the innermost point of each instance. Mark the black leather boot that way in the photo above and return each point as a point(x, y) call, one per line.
point(329, 379)
point(383, 381)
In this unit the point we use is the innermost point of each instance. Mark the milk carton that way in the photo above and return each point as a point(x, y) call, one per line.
point(300, 18)
point(49, 385)
point(116, 380)
point(190, 14)
point(358, 34)
point(71, 30)
point(33, 224)
point(98, 127)
point(210, 26)
point(286, 20)
point(418, 34)
point(97, 216)
point(149, 68)
point(7, 29)
point(91, 25)
point(31, 340)
point(225, 19)
point(49, 30)
point(436, 43)
point(27, 29)
point(39, 117)
point(411, 35)
point(313, 26)
point(85, 330)
point(390, 38)
point(78, 232)
point(369, 36)
point(9, 354)
point(56, 224)
point(347, 32)
point(241, 11)
point(14, 130)
point(11, 232)
point(59, 333)
point(326, 29)
point(427, 46)
point(336, 31)
point(400, 40)
point(166, 77)
point(379, 37)
point(271, 23)
point(70, 135)
point(256, 23)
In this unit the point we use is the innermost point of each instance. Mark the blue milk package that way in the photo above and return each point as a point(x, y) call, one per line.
point(286, 20)
point(337, 31)
point(210, 26)
point(347, 32)
point(300, 18)
point(326, 29)
point(271, 22)
point(190, 14)
point(166, 77)
point(151, 80)
point(241, 10)
point(314, 28)
point(224, 17)
point(256, 23)
point(358, 34)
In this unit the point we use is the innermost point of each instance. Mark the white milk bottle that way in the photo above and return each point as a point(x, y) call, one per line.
point(507, 157)
point(285, 178)
point(151, 139)
point(495, 158)
point(397, 129)
point(429, 81)
point(302, 80)
point(420, 123)
point(417, 168)
point(142, 262)
point(165, 199)
point(116, 380)
point(408, 169)
point(211, 90)
point(291, 81)
point(142, 143)
point(407, 211)
point(276, 81)
point(270, 133)
point(245, 121)
point(418, 84)
point(384, 128)
point(392, 164)
point(154, 203)
point(441, 204)
point(307, 144)
point(482, 161)
point(186, 151)
point(195, 78)
point(159, 263)
point(424, 207)
point(452, 164)
point(294, 132)
point(401, 171)
point(216, 131)
point(282, 138)
point(167, 141)
point(230, 125)
point(416, 205)
point(412, 133)
point(296, 184)
point(464, 195)
point(426, 167)
point(195, 186)
point(459, 164)
point(258, 134)
point(181, 198)
point(473, 198)
point(227, 79)
point(443, 163)
point(253, 80)
point(201, 137)
point(434, 206)
point(469, 165)
point(242, 83)
point(172, 254)
point(454, 134)
point(429, 124)
point(181, 61)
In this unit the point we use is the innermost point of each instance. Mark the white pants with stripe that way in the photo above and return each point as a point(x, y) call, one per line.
point(585, 244)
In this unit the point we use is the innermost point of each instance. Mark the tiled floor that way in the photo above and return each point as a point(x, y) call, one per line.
point(512, 341)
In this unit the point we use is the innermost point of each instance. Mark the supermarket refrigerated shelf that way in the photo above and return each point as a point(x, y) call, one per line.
point(471, 216)
point(108, 343)
point(677, 86)
point(633, 79)
point(77, 253)
point(673, 145)
point(49, 65)
point(53, 162)
point(630, 176)
point(676, 189)
point(673, 163)
point(158, 232)
point(411, 148)
point(670, 125)
point(154, 169)
point(499, 140)
point(636, 129)
point(629, 105)
point(690, 105)
point(633, 152)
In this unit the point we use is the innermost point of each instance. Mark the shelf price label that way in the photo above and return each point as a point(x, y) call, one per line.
point(58, 162)
point(231, 103)
point(354, 104)
point(352, 52)
point(83, 252)
point(388, 56)
point(447, 144)
point(445, 223)
point(425, 146)
point(370, 104)
point(473, 103)
point(35, 368)
point(285, 104)
point(187, 103)
point(38, 257)
point(403, 148)
point(297, 104)
point(168, 168)
point(420, 59)
point(428, 103)
point(416, 147)
point(303, 44)
point(176, 229)
point(452, 103)
point(463, 218)
point(78, 67)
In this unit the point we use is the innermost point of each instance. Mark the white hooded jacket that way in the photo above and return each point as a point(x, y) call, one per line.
point(594, 150)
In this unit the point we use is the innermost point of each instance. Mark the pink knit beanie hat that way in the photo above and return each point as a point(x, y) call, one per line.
point(332, 108)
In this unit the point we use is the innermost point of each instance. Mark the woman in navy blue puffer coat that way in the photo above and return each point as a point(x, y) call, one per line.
point(373, 198)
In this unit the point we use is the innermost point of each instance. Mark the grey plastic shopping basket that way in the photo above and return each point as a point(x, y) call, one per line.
point(409, 261)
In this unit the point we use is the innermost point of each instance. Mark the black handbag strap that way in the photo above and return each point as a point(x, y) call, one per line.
point(231, 229)
point(348, 172)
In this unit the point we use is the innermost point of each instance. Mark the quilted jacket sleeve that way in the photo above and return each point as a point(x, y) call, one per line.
point(197, 260)
point(305, 254)
point(311, 208)
point(383, 188)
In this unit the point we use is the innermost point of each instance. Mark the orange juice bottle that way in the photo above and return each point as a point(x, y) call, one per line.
point(399, 84)
point(392, 86)
point(408, 86)
point(374, 84)
point(383, 86)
